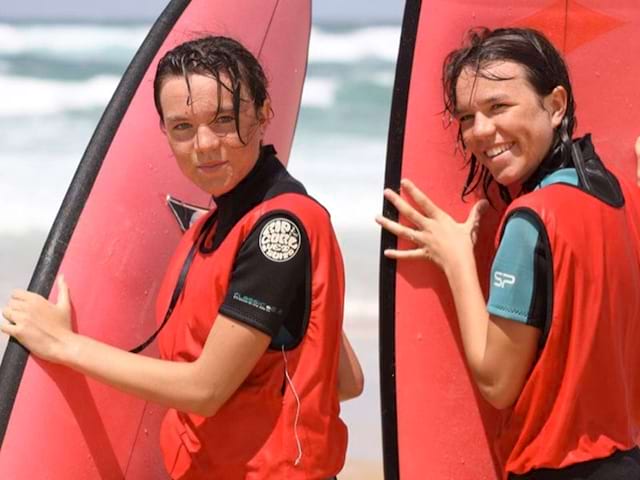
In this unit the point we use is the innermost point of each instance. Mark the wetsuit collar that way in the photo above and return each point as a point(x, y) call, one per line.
point(251, 190)
point(594, 178)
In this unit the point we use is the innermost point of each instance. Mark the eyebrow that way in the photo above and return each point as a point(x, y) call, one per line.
point(485, 101)
point(223, 111)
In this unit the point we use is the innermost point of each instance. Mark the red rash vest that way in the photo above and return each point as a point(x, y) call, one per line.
point(582, 398)
point(261, 432)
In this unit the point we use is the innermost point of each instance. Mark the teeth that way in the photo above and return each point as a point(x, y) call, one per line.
point(495, 151)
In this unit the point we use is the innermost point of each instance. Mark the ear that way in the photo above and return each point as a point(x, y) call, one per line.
point(556, 104)
point(265, 114)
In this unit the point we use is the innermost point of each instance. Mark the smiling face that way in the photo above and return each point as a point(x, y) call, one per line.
point(203, 136)
point(505, 123)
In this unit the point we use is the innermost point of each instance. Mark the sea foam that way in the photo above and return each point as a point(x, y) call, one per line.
point(43, 96)
point(319, 92)
point(86, 40)
point(380, 43)
point(70, 40)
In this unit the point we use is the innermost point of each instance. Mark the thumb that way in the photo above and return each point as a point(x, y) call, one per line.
point(64, 300)
point(473, 221)
point(476, 212)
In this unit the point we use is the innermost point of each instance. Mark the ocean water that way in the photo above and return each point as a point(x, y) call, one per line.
point(56, 78)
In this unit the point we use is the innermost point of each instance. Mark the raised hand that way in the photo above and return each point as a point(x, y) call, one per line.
point(437, 236)
point(39, 325)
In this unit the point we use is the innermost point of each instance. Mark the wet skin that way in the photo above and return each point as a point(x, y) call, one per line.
point(202, 134)
point(505, 123)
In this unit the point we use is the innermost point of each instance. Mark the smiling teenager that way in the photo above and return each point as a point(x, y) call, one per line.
point(555, 344)
point(254, 360)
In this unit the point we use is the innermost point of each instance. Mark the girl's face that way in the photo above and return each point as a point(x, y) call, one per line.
point(505, 123)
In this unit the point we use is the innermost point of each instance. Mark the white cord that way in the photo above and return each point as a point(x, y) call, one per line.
point(295, 422)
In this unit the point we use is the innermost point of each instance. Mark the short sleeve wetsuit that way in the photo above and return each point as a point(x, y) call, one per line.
point(518, 289)
point(557, 269)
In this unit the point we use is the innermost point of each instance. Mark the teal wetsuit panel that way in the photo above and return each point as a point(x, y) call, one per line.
point(513, 273)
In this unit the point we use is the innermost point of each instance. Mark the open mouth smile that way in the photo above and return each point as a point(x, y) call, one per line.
point(495, 151)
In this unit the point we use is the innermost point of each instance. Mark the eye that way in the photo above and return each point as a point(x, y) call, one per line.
point(224, 119)
point(466, 118)
point(181, 126)
point(498, 107)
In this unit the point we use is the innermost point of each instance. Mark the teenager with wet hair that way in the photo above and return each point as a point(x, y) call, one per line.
point(556, 343)
point(253, 358)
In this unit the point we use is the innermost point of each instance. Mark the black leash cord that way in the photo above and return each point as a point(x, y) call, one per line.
point(206, 228)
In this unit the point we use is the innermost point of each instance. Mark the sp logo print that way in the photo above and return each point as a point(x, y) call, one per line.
point(501, 279)
point(280, 239)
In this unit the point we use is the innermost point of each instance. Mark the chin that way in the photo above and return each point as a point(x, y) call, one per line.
point(508, 178)
point(504, 180)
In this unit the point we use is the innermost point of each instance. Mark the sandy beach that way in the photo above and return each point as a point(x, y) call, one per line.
point(361, 470)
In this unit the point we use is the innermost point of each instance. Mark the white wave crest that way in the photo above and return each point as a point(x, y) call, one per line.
point(319, 92)
point(69, 40)
point(346, 174)
point(31, 96)
point(370, 42)
point(31, 189)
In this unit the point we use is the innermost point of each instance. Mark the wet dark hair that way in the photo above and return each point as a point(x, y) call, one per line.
point(545, 70)
point(214, 56)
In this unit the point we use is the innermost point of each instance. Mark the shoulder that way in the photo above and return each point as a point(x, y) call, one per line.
point(304, 208)
point(521, 227)
point(294, 219)
point(553, 199)
point(280, 235)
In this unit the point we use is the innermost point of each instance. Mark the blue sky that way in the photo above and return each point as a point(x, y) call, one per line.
point(323, 10)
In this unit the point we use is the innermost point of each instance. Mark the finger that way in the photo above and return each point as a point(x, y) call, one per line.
point(23, 301)
point(63, 300)
point(6, 313)
point(413, 254)
point(396, 228)
point(9, 328)
point(405, 209)
point(425, 203)
point(19, 294)
point(25, 296)
point(387, 223)
point(13, 316)
point(476, 212)
point(18, 305)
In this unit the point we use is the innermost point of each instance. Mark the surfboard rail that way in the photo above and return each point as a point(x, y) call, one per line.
point(15, 358)
point(112, 238)
point(434, 422)
point(387, 306)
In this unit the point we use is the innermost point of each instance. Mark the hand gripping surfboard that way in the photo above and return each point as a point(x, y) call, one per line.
point(112, 239)
point(435, 425)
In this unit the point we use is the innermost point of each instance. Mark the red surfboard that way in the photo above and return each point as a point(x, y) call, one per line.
point(435, 425)
point(112, 239)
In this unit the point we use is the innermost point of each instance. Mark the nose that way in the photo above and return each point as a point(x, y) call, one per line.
point(483, 127)
point(205, 139)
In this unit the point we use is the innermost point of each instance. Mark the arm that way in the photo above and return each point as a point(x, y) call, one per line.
point(499, 352)
point(231, 351)
point(350, 377)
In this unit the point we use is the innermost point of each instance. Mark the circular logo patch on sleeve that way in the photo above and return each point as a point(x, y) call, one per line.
point(280, 239)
